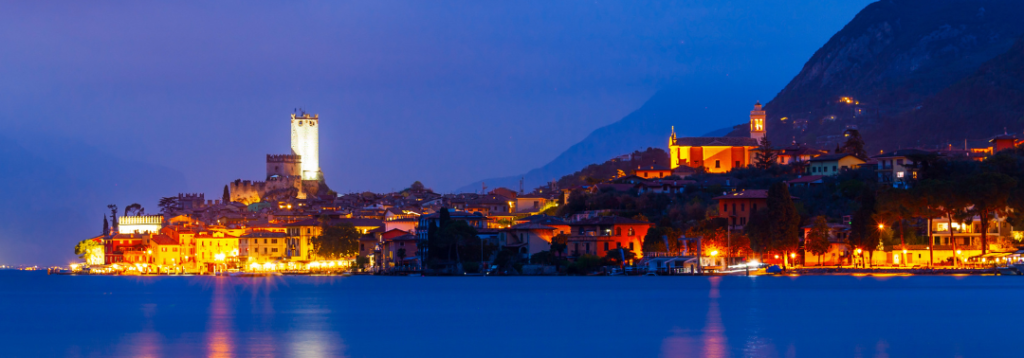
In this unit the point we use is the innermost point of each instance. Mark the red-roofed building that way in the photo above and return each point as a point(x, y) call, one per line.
point(596, 236)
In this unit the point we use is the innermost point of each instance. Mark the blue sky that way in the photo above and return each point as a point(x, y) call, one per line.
point(446, 92)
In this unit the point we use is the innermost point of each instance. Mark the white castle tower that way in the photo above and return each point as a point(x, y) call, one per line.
point(306, 143)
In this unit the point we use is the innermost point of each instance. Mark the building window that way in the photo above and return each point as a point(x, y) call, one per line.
point(718, 164)
point(631, 245)
point(631, 232)
point(737, 164)
point(899, 174)
point(834, 168)
point(273, 250)
point(605, 246)
point(273, 241)
point(743, 206)
point(645, 174)
point(618, 231)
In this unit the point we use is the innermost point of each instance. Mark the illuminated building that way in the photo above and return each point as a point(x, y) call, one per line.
point(597, 236)
point(262, 246)
point(718, 154)
point(215, 248)
point(306, 144)
point(833, 164)
point(140, 224)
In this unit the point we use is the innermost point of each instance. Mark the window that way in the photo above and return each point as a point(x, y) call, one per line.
point(899, 174)
point(618, 231)
point(631, 232)
point(605, 246)
point(273, 250)
point(743, 221)
point(645, 174)
point(273, 241)
point(743, 206)
point(264, 250)
point(264, 241)
point(718, 164)
point(631, 245)
point(308, 231)
point(737, 164)
point(834, 168)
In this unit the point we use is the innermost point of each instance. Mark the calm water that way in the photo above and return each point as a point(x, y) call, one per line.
point(809, 316)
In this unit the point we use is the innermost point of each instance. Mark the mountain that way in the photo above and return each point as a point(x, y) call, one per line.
point(897, 69)
point(648, 126)
point(59, 190)
point(904, 72)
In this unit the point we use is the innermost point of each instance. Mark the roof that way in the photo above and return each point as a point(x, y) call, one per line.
point(616, 187)
point(904, 153)
point(163, 240)
point(255, 234)
point(609, 220)
point(456, 214)
point(652, 167)
point(545, 220)
point(357, 222)
point(751, 193)
point(747, 194)
point(531, 226)
point(716, 142)
point(403, 238)
point(532, 196)
point(806, 179)
point(1003, 137)
point(832, 157)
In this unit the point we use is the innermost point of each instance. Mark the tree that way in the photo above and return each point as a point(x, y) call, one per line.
point(362, 261)
point(337, 241)
point(895, 205)
point(765, 157)
point(817, 238)
point(106, 226)
point(987, 190)
point(863, 230)
point(226, 196)
point(113, 215)
point(134, 209)
point(417, 186)
point(783, 219)
point(456, 234)
point(90, 250)
point(854, 144)
point(758, 230)
point(168, 204)
point(401, 255)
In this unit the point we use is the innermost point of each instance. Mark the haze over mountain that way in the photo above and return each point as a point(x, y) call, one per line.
point(912, 72)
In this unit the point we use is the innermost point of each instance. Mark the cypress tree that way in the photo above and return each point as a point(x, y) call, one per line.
point(783, 220)
point(106, 226)
point(226, 198)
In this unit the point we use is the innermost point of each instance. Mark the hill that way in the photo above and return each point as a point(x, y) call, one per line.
point(892, 59)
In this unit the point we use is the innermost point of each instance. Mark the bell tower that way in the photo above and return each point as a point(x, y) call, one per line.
point(306, 144)
point(757, 117)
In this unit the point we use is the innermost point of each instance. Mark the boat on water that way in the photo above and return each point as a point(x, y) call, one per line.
point(1011, 270)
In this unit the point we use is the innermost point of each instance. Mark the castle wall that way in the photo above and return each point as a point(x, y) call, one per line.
point(284, 165)
point(249, 192)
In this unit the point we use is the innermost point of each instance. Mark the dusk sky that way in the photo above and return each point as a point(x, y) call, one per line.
point(446, 92)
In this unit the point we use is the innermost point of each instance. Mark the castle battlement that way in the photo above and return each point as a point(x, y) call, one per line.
point(284, 158)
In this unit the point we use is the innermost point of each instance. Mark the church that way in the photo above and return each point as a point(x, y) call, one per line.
point(718, 154)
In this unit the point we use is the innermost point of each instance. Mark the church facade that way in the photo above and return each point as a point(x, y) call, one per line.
point(718, 154)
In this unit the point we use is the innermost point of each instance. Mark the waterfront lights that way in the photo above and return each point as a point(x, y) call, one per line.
point(792, 255)
point(881, 226)
point(958, 252)
point(219, 257)
point(858, 251)
point(752, 263)
point(776, 256)
point(904, 251)
point(714, 253)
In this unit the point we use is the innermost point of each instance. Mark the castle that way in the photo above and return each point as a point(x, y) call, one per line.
point(292, 175)
point(718, 154)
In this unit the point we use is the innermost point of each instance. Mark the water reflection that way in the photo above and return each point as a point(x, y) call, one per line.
point(710, 341)
point(219, 339)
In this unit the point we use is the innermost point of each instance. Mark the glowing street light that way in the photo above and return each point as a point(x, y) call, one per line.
point(714, 253)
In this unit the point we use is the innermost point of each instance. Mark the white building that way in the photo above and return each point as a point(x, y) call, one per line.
point(306, 143)
point(140, 224)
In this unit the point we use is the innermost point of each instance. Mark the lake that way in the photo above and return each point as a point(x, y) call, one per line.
point(369, 316)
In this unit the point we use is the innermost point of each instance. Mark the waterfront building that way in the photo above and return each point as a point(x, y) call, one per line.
point(215, 249)
point(598, 235)
point(164, 252)
point(262, 246)
point(145, 224)
point(718, 154)
point(839, 250)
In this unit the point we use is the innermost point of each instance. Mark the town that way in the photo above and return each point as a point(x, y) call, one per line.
point(701, 205)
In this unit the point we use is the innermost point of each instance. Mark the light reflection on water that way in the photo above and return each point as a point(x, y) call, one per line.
point(810, 316)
